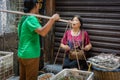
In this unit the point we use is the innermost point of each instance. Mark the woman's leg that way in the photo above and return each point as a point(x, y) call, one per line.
point(66, 62)
point(83, 65)
point(69, 63)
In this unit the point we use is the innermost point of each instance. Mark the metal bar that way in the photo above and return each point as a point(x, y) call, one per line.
point(22, 13)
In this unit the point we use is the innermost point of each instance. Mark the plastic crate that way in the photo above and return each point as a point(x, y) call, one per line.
point(6, 65)
point(86, 74)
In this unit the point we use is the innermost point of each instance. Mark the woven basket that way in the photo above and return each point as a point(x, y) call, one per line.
point(6, 65)
point(100, 74)
point(79, 53)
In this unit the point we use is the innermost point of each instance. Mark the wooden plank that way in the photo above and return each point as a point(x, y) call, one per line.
point(75, 3)
point(89, 14)
point(105, 39)
point(106, 27)
point(106, 45)
point(105, 50)
point(91, 8)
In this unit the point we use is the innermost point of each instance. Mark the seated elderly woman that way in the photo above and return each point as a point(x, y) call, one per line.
point(75, 38)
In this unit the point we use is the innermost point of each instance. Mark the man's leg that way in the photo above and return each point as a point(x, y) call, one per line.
point(32, 68)
point(21, 69)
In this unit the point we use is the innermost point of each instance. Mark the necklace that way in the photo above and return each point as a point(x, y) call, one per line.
point(75, 33)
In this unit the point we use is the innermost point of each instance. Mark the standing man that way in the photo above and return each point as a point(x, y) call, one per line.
point(29, 30)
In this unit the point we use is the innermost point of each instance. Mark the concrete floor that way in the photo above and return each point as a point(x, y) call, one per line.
point(13, 78)
point(48, 68)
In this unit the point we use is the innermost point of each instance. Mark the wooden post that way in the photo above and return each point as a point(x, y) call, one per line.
point(50, 8)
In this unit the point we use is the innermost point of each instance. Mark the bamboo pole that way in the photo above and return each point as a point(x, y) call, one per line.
point(37, 15)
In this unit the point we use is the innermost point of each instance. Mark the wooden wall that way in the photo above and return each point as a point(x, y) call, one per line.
point(101, 19)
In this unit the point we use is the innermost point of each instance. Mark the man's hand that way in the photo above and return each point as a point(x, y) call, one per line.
point(55, 17)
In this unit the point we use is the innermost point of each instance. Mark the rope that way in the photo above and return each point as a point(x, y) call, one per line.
point(77, 60)
point(76, 54)
point(59, 50)
point(59, 46)
point(29, 14)
point(89, 67)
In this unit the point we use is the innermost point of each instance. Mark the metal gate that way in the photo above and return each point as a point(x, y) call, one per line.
point(101, 19)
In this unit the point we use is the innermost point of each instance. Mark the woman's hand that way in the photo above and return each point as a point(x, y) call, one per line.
point(65, 47)
point(88, 47)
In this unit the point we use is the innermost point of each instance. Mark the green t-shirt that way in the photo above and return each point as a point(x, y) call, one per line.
point(29, 40)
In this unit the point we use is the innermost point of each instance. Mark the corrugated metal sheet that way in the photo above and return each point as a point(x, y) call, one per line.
point(101, 19)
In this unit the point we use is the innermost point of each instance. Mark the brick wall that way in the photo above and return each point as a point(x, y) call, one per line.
point(8, 29)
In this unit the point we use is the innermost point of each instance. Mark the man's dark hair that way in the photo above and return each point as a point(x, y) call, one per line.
point(29, 4)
